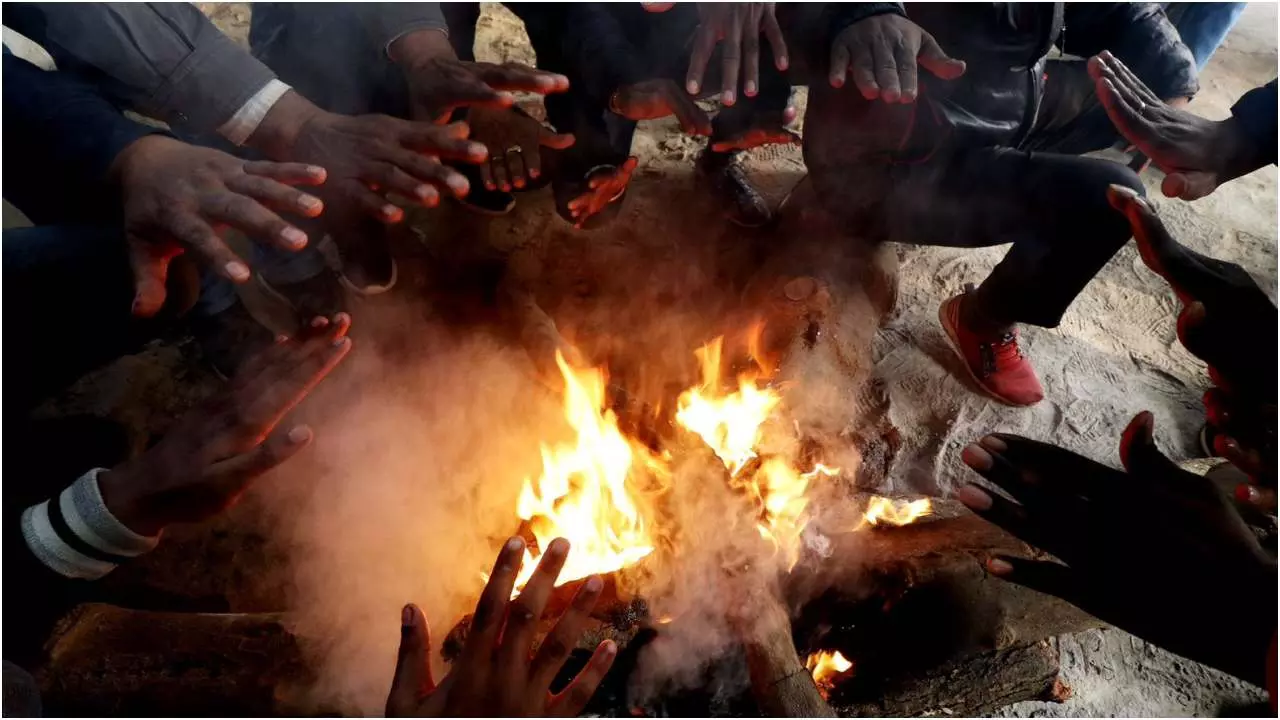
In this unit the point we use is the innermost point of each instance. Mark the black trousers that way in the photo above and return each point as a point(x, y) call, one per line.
point(1041, 196)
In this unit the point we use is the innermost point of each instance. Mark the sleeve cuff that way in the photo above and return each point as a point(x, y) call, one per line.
point(240, 127)
point(76, 536)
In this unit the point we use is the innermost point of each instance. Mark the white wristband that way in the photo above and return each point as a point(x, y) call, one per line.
point(247, 119)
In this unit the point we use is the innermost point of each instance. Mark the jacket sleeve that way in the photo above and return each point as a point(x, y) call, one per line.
point(1256, 113)
point(595, 45)
point(165, 60)
point(1141, 36)
point(387, 22)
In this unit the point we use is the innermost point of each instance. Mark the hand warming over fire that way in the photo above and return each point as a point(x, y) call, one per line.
point(177, 196)
point(652, 99)
point(739, 25)
point(604, 186)
point(498, 674)
point(203, 465)
point(882, 52)
point(1221, 303)
point(1157, 551)
point(515, 141)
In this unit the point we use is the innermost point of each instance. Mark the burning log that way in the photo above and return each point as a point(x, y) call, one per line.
point(108, 661)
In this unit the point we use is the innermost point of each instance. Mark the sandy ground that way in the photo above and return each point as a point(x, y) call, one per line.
point(1114, 355)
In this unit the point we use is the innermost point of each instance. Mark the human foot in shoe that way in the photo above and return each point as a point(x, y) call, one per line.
point(993, 359)
point(742, 203)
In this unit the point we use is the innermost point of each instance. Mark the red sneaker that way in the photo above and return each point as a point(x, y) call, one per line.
point(994, 362)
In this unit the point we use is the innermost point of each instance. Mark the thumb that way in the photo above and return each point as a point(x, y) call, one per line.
point(412, 679)
point(1138, 451)
point(932, 58)
point(1189, 185)
point(150, 270)
point(548, 139)
point(230, 477)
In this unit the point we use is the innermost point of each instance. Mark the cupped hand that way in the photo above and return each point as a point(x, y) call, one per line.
point(1196, 154)
point(498, 674)
point(178, 196)
point(739, 26)
point(882, 53)
point(1221, 305)
point(1154, 550)
point(514, 141)
point(207, 460)
point(652, 99)
point(604, 186)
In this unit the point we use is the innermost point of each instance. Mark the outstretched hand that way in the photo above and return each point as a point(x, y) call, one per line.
point(207, 460)
point(882, 52)
point(1196, 154)
point(1221, 304)
point(498, 674)
point(515, 141)
point(604, 186)
point(739, 26)
point(177, 196)
point(651, 99)
point(1156, 551)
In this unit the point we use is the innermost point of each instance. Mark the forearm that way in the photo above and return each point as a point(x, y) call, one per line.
point(165, 59)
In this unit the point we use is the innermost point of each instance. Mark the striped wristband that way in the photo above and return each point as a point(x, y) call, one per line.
point(76, 536)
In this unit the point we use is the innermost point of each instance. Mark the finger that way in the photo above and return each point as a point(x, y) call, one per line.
point(564, 637)
point(277, 195)
point(731, 61)
point(518, 168)
point(1189, 184)
point(886, 69)
point(937, 62)
point(390, 178)
point(290, 375)
point(526, 610)
point(839, 65)
point(1051, 467)
point(555, 141)
point(150, 266)
point(515, 77)
point(448, 142)
point(1155, 245)
point(777, 43)
point(498, 166)
point(430, 171)
point(1128, 120)
point(1129, 80)
point(227, 479)
point(571, 701)
point(412, 679)
point(704, 43)
point(287, 173)
point(1050, 578)
point(1262, 498)
point(1248, 461)
point(1138, 451)
point(193, 232)
point(751, 52)
point(491, 610)
point(371, 203)
point(693, 121)
point(864, 71)
point(251, 217)
point(907, 80)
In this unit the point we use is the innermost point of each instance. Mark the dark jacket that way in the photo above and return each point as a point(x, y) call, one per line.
point(1005, 47)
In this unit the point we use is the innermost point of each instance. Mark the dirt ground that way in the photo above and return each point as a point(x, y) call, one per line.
point(1114, 355)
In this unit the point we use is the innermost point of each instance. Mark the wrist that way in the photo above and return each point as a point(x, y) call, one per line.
point(119, 489)
point(413, 50)
point(122, 166)
point(278, 132)
point(1236, 150)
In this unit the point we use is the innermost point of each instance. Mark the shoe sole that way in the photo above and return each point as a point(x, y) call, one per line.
point(954, 344)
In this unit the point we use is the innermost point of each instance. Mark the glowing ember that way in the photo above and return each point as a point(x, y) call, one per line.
point(885, 511)
point(729, 424)
point(826, 666)
point(583, 494)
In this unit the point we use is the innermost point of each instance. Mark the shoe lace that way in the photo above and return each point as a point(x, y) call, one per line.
point(1002, 354)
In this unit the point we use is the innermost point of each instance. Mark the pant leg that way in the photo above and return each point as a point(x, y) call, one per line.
point(461, 18)
point(1204, 25)
point(1071, 119)
point(1052, 207)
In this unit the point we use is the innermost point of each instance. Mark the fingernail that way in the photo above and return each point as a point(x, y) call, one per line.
point(1246, 493)
point(559, 546)
point(406, 616)
point(299, 435)
point(282, 339)
point(593, 584)
point(998, 566)
point(609, 647)
point(339, 342)
point(319, 321)
point(692, 87)
point(973, 497)
point(749, 88)
point(976, 457)
point(478, 151)
point(727, 98)
point(237, 270)
point(390, 211)
point(515, 544)
point(310, 203)
point(993, 443)
point(458, 184)
point(425, 192)
point(295, 237)
point(315, 171)
point(783, 63)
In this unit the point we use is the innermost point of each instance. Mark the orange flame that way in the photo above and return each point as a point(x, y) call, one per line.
point(583, 493)
point(827, 666)
point(886, 511)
